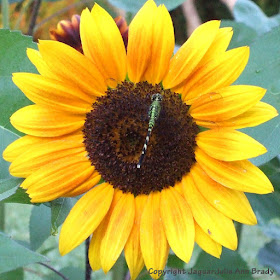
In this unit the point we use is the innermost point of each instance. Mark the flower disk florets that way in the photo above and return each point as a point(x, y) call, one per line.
point(115, 131)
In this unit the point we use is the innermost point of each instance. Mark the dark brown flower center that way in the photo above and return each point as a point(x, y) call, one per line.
point(115, 132)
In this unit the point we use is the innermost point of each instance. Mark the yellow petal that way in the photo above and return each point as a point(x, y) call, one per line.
point(178, 188)
point(132, 250)
point(103, 44)
point(216, 49)
point(226, 103)
point(92, 181)
point(217, 73)
point(239, 175)
point(258, 114)
point(228, 144)
point(117, 231)
point(234, 204)
point(187, 58)
point(178, 223)
point(55, 179)
point(23, 144)
point(85, 217)
point(44, 153)
point(94, 246)
point(212, 222)
point(39, 121)
point(72, 67)
point(206, 243)
point(218, 46)
point(36, 58)
point(162, 46)
point(53, 94)
point(19, 146)
point(153, 240)
point(140, 40)
point(96, 241)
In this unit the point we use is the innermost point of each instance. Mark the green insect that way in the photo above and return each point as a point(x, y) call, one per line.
point(154, 113)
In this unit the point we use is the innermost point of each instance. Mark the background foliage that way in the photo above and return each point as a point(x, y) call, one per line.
point(28, 233)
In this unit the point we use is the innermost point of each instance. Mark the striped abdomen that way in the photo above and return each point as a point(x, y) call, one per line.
point(154, 112)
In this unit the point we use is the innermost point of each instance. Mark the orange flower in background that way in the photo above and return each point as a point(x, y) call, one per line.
point(68, 32)
point(90, 120)
point(122, 25)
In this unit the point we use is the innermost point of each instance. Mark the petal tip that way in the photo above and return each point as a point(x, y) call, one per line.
point(96, 8)
point(267, 187)
point(62, 248)
point(253, 220)
point(86, 10)
point(7, 155)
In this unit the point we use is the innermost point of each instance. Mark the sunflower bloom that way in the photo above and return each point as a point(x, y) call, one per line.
point(90, 119)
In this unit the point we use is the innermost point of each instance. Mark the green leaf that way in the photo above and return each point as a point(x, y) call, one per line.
point(272, 170)
point(13, 59)
point(134, 6)
point(20, 196)
point(272, 167)
point(49, 249)
point(14, 255)
point(249, 13)
point(13, 275)
point(270, 256)
point(263, 70)
point(266, 207)
point(8, 187)
point(230, 266)
point(275, 180)
point(243, 35)
point(60, 209)
point(175, 262)
point(72, 273)
point(39, 225)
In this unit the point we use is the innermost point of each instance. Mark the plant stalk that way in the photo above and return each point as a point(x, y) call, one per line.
point(238, 227)
point(35, 12)
point(2, 216)
point(5, 13)
point(54, 270)
point(88, 268)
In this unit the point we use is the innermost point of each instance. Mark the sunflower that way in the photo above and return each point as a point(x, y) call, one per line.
point(90, 120)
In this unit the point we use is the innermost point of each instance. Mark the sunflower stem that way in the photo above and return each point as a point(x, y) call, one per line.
point(23, 10)
point(54, 270)
point(88, 268)
point(2, 216)
point(118, 270)
point(5, 13)
point(238, 227)
point(35, 12)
